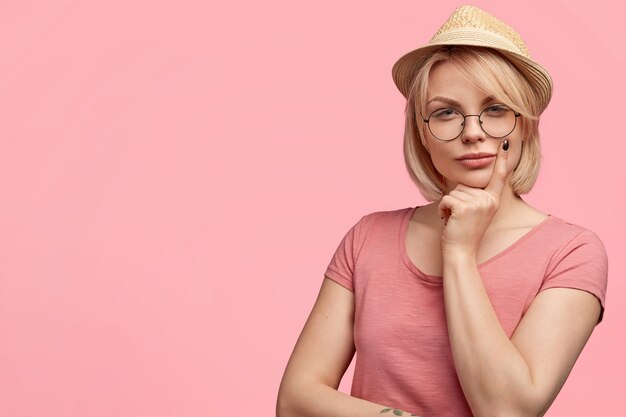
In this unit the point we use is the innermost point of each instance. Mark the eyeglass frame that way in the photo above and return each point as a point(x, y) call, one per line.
point(480, 122)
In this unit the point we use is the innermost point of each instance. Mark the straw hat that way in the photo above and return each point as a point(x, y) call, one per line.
point(470, 25)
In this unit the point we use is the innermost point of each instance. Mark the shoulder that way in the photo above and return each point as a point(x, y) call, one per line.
point(386, 215)
point(578, 260)
point(375, 221)
point(376, 224)
point(385, 218)
point(571, 242)
point(577, 250)
point(566, 232)
point(562, 233)
point(569, 250)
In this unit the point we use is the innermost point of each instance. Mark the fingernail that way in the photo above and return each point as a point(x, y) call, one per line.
point(505, 145)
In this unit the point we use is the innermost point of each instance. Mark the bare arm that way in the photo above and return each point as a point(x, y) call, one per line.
point(513, 377)
point(520, 376)
point(320, 358)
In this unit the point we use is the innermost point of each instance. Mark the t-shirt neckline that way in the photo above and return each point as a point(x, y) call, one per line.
point(437, 279)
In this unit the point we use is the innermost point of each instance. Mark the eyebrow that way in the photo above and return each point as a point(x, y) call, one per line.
point(456, 103)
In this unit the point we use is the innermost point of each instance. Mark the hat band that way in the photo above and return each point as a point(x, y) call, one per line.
point(477, 37)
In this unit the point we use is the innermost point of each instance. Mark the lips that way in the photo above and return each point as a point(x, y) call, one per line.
point(475, 156)
point(476, 160)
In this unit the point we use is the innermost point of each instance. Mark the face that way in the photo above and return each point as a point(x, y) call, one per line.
point(449, 89)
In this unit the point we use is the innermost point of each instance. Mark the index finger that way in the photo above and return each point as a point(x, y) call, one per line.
point(499, 175)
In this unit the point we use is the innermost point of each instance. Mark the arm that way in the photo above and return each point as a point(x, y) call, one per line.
point(502, 377)
point(320, 358)
point(523, 375)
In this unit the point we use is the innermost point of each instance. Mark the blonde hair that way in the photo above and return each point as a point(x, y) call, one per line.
point(491, 72)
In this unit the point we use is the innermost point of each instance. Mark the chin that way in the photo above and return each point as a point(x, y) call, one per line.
point(474, 181)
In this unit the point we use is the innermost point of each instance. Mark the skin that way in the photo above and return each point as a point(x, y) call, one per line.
point(447, 82)
point(478, 217)
point(493, 232)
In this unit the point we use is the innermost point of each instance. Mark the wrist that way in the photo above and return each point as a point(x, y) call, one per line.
point(459, 248)
point(453, 257)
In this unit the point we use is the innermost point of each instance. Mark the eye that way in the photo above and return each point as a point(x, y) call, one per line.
point(496, 110)
point(445, 114)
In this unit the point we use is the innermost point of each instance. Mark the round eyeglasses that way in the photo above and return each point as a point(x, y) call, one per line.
point(497, 121)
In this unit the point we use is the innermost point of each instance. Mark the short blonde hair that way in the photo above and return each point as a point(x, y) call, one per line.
point(490, 71)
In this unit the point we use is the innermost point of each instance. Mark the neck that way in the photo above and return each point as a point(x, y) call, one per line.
point(510, 204)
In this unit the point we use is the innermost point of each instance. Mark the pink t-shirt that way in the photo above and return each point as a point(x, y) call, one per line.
point(403, 356)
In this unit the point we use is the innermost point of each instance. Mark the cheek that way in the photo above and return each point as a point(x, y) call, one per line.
point(438, 158)
point(514, 158)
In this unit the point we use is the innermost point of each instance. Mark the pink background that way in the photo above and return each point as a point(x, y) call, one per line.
point(175, 177)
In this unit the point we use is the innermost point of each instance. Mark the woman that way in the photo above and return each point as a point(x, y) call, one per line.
point(477, 303)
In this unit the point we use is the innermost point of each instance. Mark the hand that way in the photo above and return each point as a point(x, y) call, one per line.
point(468, 211)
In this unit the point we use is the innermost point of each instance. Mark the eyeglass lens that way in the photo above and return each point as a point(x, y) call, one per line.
point(496, 121)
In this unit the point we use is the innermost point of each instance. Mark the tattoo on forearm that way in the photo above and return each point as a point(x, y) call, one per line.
point(396, 412)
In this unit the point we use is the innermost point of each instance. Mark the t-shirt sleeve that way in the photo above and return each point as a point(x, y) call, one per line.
point(582, 264)
point(341, 266)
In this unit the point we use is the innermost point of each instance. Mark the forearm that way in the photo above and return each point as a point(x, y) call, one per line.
point(319, 400)
point(495, 377)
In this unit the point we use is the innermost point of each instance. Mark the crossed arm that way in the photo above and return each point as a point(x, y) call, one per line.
point(516, 377)
point(520, 376)
point(500, 376)
point(321, 356)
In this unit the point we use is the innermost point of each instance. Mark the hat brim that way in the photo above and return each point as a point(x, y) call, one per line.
point(405, 68)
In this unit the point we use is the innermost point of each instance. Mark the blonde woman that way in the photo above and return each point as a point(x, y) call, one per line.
point(476, 304)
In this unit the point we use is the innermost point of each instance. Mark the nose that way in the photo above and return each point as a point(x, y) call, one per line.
point(472, 131)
